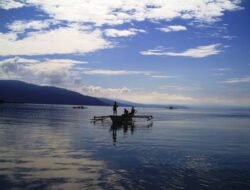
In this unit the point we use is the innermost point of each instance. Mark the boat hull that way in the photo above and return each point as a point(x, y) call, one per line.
point(121, 119)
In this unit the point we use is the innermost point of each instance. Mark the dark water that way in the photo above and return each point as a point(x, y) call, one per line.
point(56, 147)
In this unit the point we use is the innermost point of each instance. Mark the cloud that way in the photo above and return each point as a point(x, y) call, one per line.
point(66, 73)
point(238, 80)
point(51, 71)
point(198, 52)
point(220, 71)
point(225, 101)
point(135, 95)
point(125, 11)
point(104, 92)
point(123, 33)
point(21, 26)
point(55, 71)
point(10, 4)
point(180, 88)
point(143, 96)
point(228, 37)
point(64, 40)
point(173, 28)
point(18, 60)
point(163, 76)
point(53, 65)
point(45, 69)
point(108, 72)
point(114, 72)
point(49, 37)
point(223, 69)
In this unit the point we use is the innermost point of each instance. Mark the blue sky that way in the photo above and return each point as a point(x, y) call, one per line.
point(162, 51)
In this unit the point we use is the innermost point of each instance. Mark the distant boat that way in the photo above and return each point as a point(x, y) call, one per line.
point(80, 107)
point(171, 107)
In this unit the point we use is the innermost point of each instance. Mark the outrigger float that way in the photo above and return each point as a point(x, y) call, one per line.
point(122, 119)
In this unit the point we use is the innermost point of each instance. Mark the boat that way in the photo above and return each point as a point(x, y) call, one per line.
point(80, 107)
point(122, 119)
point(170, 107)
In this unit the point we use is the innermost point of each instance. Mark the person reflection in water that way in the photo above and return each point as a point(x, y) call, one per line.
point(125, 127)
point(114, 134)
point(115, 106)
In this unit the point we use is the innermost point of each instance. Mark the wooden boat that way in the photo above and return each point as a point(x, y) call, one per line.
point(80, 107)
point(121, 119)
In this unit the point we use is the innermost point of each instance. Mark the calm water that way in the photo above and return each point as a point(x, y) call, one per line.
point(56, 147)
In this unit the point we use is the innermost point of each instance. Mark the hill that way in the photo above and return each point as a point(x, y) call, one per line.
point(21, 92)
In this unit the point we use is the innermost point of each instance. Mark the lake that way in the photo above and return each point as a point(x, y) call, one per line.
point(57, 147)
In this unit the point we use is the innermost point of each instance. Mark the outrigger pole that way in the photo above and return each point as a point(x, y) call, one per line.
point(121, 118)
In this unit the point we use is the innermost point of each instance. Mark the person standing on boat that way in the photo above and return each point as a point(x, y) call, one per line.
point(115, 106)
point(133, 111)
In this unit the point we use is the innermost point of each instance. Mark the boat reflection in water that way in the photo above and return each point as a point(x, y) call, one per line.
point(125, 127)
point(124, 122)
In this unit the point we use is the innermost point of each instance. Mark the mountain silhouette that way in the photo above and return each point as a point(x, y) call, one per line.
point(22, 92)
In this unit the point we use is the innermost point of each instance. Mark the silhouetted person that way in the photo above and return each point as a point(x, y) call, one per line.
point(133, 111)
point(115, 106)
point(125, 112)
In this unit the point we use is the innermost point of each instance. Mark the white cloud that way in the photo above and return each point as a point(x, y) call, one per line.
point(162, 76)
point(10, 4)
point(173, 28)
point(238, 80)
point(220, 71)
point(109, 72)
point(52, 71)
point(223, 69)
point(21, 26)
point(180, 88)
point(55, 71)
point(104, 92)
point(53, 65)
point(228, 37)
point(123, 33)
point(8, 36)
point(224, 101)
point(134, 95)
point(114, 72)
point(64, 40)
point(64, 73)
point(18, 60)
point(121, 11)
point(142, 96)
point(83, 13)
point(198, 52)
point(18, 67)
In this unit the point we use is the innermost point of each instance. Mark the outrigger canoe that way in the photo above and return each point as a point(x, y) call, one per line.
point(121, 119)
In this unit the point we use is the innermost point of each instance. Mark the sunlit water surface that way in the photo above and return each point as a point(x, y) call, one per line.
point(57, 147)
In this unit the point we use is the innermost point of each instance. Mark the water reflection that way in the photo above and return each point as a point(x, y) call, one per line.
point(55, 147)
point(38, 151)
point(125, 128)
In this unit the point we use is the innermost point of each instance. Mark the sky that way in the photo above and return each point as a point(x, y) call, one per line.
point(148, 51)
